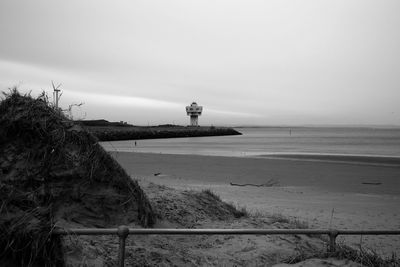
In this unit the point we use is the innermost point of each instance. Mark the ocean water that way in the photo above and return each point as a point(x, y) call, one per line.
point(272, 141)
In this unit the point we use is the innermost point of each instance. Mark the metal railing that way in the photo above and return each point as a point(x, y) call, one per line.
point(124, 231)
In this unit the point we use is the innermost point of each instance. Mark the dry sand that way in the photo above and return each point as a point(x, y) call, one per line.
point(324, 194)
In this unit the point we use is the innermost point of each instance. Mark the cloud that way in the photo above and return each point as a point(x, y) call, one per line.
point(36, 78)
point(261, 62)
point(97, 103)
point(129, 101)
point(232, 113)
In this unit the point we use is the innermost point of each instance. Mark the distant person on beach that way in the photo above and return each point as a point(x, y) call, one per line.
point(135, 143)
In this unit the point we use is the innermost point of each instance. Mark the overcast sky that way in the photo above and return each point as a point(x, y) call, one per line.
point(246, 62)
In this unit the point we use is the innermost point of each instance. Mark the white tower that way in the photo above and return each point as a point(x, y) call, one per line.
point(194, 111)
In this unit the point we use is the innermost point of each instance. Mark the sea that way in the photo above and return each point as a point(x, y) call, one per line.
point(383, 143)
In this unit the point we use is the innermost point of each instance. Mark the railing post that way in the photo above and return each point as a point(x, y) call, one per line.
point(332, 240)
point(123, 232)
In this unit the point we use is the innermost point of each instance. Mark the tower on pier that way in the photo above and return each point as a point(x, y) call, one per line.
point(194, 111)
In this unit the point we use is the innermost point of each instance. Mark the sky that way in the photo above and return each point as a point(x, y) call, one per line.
point(278, 62)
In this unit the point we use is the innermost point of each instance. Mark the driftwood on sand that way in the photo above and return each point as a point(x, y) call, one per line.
point(372, 183)
point(269, 183)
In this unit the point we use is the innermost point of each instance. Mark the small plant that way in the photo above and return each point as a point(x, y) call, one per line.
point(297, 224)
point(292, 223)
point(242, 210)
point(257, 214)
point(211, 194)
point(238, 211)
point(278, 218)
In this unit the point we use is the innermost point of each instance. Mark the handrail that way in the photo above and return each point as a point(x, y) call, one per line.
point(124, 231)
point(167, 231)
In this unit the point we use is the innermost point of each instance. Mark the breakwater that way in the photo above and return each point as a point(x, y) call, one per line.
point(112, 133)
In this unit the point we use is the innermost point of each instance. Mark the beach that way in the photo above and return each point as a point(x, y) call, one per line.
point(324, 194)
point(55, 177)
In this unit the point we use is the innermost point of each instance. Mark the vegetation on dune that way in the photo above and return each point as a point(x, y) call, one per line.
point(54, 171)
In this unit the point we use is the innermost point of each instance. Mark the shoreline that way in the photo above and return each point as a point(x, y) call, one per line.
point(356, 159)
point(373, 160)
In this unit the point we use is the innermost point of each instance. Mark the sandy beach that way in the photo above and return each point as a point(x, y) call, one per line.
point(323, 194)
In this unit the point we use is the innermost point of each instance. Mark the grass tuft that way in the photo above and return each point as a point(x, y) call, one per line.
point(211, 194)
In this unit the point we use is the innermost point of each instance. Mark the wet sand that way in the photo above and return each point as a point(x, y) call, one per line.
point(324, 194)
point(386, 161)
